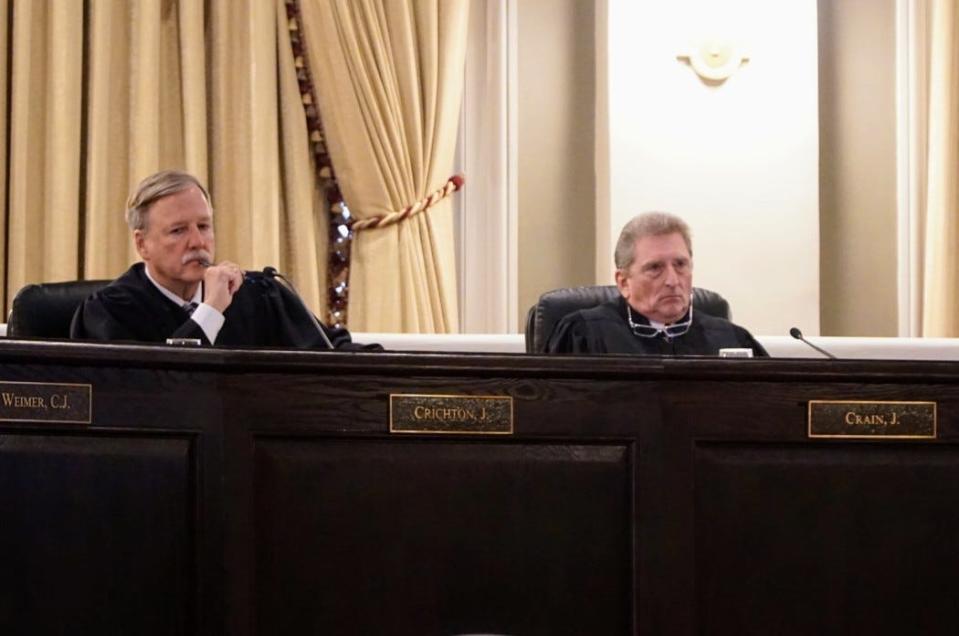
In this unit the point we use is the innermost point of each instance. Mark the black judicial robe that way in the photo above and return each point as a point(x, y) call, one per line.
point(263, 313)
point(604, 329)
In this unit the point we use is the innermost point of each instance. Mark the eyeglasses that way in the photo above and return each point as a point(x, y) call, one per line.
point(669, 331)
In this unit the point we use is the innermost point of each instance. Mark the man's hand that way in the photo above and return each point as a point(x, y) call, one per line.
point(220, 282)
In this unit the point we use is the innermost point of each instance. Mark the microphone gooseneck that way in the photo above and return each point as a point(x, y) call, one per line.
point(795, 333)
point(270, 272)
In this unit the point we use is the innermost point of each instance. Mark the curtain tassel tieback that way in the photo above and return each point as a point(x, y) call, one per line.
point(453, 184)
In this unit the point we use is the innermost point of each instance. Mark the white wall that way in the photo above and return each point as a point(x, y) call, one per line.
point(739, 161)
point(555, 59)
point(777, 346)
point(857, 108)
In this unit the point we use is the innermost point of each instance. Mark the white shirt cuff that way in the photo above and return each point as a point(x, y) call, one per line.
point(210, 321)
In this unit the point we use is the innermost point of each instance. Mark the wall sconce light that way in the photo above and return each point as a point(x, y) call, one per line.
point(714, 60)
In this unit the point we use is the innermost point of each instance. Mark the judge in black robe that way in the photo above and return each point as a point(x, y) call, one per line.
point(179, 291)
point(262, 313)
point(605, 329)
point(655, 314)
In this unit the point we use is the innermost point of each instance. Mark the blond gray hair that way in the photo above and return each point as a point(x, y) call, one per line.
point(155, 187)
point(648, 224)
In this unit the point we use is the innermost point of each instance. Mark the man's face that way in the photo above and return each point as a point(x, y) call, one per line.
point(659, 281)
point(177, 240)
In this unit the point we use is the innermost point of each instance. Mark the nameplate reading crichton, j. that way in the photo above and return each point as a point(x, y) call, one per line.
point(453, 414)
point(869, 420)
point(45, 402)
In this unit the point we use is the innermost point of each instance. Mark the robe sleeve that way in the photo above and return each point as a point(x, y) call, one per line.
point(106, 316)
point(570, 335)
point(758, 350)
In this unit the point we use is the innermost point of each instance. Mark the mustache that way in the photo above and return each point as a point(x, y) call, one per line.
point(202, 256)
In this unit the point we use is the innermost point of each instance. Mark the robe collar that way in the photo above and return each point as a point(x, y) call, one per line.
point(197, 296)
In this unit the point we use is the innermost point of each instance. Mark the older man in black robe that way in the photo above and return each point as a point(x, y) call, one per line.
point(179, 292)
point(654, 315)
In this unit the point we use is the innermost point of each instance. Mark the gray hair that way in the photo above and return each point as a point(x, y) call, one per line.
point(155, 187)
point(648, 224)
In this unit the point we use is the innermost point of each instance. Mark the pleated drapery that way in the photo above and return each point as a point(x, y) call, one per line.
point(389, 78)
point(103, 93)
point(940, 305)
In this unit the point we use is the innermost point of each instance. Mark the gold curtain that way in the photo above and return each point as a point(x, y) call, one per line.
point(104, 92)
point(389, 78)
point(940, 307)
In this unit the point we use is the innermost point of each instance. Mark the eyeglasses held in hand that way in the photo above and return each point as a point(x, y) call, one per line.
point(669, 331)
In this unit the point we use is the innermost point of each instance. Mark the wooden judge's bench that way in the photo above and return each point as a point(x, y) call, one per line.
point(156, 490)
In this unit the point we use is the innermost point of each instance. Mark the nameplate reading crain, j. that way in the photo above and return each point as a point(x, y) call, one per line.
point(45, 402)
point(866, 420)
point(453, 414)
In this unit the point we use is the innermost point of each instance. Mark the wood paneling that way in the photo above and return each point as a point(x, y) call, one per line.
point(260, 492)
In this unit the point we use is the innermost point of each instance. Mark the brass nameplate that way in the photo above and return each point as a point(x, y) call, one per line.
point(45, 402)
point(867, 420)
point(452, 414)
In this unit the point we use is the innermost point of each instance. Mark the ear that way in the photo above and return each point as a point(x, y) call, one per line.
point(622, 282)
point(140, 243)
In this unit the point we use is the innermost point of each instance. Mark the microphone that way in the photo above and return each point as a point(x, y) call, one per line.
point(795, 333)
point(251, 276)
point(271, 273)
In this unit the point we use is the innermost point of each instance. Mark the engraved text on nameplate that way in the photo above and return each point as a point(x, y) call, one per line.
point(45, 402)
point(864, 419)
point(463, 414)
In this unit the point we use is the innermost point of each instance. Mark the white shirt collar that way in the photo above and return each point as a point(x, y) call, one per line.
point(197, 297)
